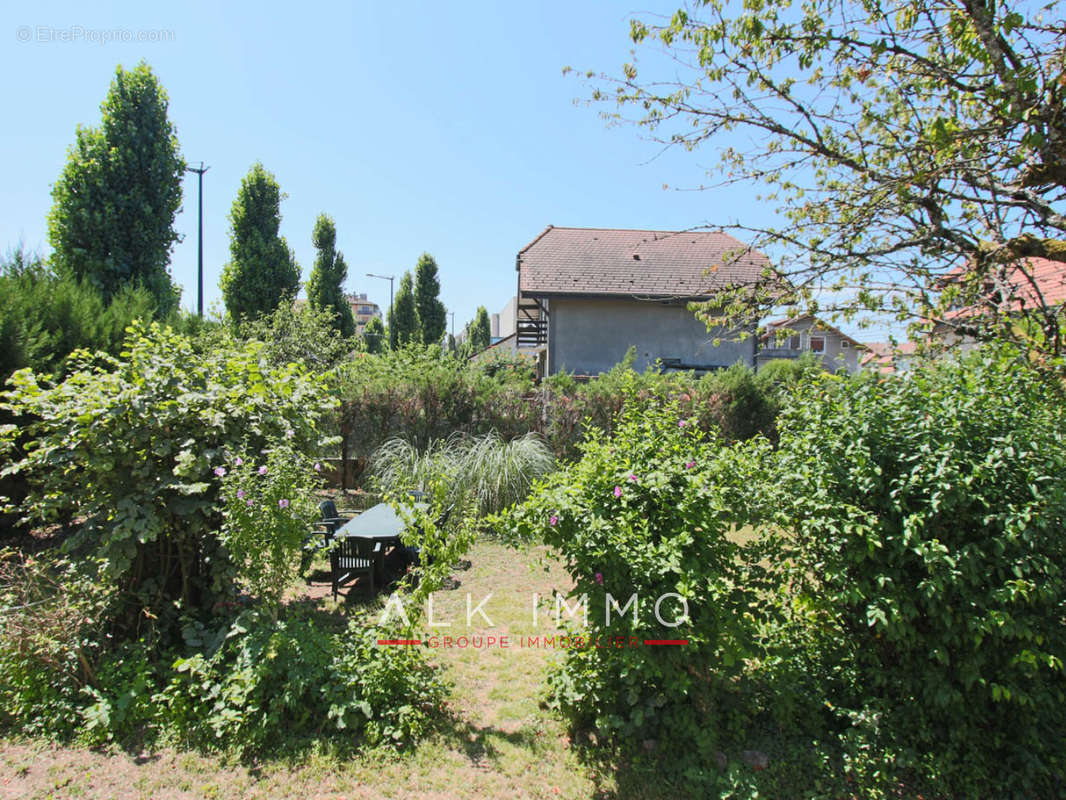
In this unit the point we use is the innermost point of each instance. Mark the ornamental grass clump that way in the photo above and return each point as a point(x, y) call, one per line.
point(484, 474)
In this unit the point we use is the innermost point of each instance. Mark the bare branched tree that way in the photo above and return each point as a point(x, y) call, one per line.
point(916, 149)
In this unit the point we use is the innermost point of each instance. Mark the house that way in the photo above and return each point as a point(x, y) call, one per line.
point(888, 359)
point(586, 295)
point(362, 310)
point(1030, 288)
point(791, 338)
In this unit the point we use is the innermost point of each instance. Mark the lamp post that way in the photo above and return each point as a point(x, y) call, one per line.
point(200, 246)
point(452, 315)
point(390, 279)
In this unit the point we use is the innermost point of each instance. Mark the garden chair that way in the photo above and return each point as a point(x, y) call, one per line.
point(330, 516)
point(317, 539)
point(354, 558)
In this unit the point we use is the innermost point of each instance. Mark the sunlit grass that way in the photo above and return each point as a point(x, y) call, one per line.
point(496, 739)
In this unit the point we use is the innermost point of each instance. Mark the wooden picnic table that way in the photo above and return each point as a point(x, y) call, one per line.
point(380, 524)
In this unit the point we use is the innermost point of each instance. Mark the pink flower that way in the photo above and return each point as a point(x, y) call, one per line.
point(633, 478)
point(553, 520)
point(599, 578)
point(617, 491)
point(240, 494)
point(239, 461)
point(263, 470)
point(283, 503)
point(290, 433)
point(220, 471)
point(318, 467)
point(682, 424)
point(690, 464)
point(249, 504)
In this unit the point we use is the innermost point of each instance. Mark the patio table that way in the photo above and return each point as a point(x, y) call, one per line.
point(380, 524)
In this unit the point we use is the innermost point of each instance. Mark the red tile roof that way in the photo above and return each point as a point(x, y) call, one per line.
point(883, 355)
point(1041, 283)
point(605, 261)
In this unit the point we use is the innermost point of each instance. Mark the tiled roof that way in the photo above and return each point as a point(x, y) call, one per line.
point(883, 355)
point(1042, 282)
point(605, 261)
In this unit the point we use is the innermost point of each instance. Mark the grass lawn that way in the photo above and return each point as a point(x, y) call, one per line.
point(496, 742)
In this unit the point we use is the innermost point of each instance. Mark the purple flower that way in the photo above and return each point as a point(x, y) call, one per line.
point(617, 491)
point(633, 478)
point(240, 494)
point(682, 424)
point(263, 470)
point(599, 578)
point(239, 461)
point(690, 464)
point(283, 503)
point(553, 520)
point(249, 504)
point(220, 471)
point(318, 467)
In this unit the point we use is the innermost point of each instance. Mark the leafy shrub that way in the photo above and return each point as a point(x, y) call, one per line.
point(924, 516)
point(736, 402)
point(298, 333)
point(422, 395)
point(648, 513)
point(51, 635)
point(44, 318)
point(270, 681)
point(269, 502)
point(129, 446)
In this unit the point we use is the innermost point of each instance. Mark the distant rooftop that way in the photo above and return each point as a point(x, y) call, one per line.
point(640, 263)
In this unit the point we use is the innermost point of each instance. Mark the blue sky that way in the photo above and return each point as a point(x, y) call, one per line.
point(417, 126)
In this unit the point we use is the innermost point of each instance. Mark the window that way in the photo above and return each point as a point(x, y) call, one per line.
point(844, 344)
point(817, 344)
point(794, 343)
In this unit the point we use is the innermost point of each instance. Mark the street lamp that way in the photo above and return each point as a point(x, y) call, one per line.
point(390, 279)
point(200, 248)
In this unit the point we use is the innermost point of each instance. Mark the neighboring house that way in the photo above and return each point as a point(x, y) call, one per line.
point(791, 338)
point(362, 311)
point(888, 359)
point(586, 295)
point(1034, 285)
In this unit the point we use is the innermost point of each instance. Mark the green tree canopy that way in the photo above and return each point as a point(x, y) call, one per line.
point(403, 320)
point(325, 288)
point(262, 269)
point(374, 335)
point(112, 219)
point(901, 139)
point(479, 333)
point(431, 314)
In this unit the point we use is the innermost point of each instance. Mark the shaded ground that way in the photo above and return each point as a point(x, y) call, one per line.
point(498, 741)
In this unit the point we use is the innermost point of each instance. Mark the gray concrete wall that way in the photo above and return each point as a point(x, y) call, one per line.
point(507, 319)
point(589, 336)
